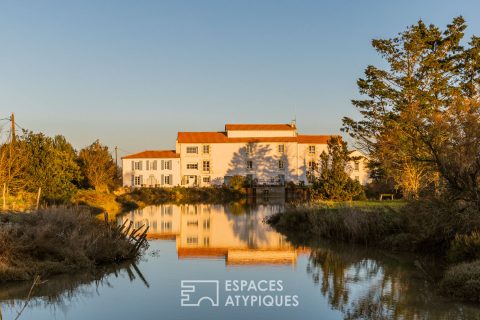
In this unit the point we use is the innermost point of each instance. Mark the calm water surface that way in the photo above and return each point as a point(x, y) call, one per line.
point(215, 242)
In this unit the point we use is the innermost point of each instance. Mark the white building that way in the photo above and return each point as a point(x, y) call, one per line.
point(151, 169)
point(264, 153)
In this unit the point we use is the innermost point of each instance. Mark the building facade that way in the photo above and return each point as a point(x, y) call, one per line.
point(263, 153)
point(151, 169)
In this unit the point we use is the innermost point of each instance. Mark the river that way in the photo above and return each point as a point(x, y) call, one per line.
point(231, 264)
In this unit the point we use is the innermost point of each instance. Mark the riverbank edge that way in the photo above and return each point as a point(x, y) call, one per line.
point(384, 228)
point(62, 240)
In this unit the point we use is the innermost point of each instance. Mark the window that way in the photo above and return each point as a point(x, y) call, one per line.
point(206, 166)
point(281, 164)
point(138, 165)
point(357, 165)
point(249, 164)
point(154, 165)
point(193, 223)
point(312, 165)
point(192, 149)
point(168, 179)
point(206, 241)
point(206, 148)
point(281, 148)
point(137, 180)
point(168, 165)
point(206, 224)
point(166, 226)
point(206, 179)
point(249, 148)
point(311, 149)
point(147, 165)
point(192, 166)
point(192, 240)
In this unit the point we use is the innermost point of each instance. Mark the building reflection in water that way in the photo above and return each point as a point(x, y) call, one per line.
point(233, 232)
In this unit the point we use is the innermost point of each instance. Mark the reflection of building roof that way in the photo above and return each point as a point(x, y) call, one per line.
point(241, 256)
point(262, 127)
point(201, 252)
point(221, 137)
point(155, 154)
point(162, 236)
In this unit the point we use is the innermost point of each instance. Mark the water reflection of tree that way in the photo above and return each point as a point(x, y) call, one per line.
point(249, 225)
point(389, 289)
point(61, 291)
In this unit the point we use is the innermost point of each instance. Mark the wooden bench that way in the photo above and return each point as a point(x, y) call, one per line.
point(386, 195)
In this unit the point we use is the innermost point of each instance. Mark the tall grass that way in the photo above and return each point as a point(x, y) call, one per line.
point(347, 224)
point(58, 240)
point(446, 229)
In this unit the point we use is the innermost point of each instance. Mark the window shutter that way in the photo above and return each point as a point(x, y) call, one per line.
point(140, 165)
point(133, 165)
point(163, 164)
point(170, 179)
point(147, 165)
point(141, 179)
point(154, 164)
point(163, 180)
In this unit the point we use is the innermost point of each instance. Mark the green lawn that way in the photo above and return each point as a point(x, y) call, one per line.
point(392, 204)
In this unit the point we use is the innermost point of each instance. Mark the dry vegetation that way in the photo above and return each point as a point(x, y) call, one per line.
point(448, 230)
point(58, 240)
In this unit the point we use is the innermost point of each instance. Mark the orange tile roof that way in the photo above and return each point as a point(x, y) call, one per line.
point(322, 139)
point(202, 137)
point(221, 137)
point(259, 127)
point(153, 154)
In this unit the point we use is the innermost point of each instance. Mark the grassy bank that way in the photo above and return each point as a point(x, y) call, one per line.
point(152, 196)
point(446, 229)
point(58, 240)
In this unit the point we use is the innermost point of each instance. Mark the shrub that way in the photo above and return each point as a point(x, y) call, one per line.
point(463, 281)
point(237, 183)
point(152, 196)
point(465, 247)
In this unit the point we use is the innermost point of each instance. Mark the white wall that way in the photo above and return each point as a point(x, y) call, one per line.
point(151, 177)
point(228, 159)
point(362, 173)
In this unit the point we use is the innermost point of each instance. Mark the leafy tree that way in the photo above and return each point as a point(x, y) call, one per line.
point(51, 165)
point(420, 120)
point(98, 167)
point(334, 182)
point(13, 160)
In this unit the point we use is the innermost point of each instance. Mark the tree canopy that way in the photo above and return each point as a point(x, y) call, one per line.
point(334, 182)
point(420, 118)
point(98, 167)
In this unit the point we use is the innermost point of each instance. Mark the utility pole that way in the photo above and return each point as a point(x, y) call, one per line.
point(116, 157)
point(12, 118)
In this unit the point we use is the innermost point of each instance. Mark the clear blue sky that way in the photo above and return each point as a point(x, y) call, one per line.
point(133, 73)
